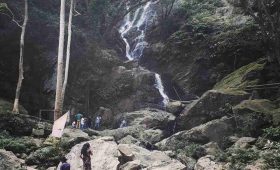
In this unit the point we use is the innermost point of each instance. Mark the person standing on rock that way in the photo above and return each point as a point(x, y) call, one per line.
point(85, 155)
point(97, 122)
point(123, 123)
point(83, 121)
point(64, 164)
point(78, 117)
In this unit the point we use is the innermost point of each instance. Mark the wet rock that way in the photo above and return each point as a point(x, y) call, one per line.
point(212, 105)
point(175, 107)
point(131, 88)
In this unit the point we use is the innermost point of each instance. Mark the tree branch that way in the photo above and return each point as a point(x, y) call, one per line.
point(12, 17)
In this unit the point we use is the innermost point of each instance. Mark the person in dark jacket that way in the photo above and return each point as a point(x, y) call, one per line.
point(85, 155)
point(64, 165)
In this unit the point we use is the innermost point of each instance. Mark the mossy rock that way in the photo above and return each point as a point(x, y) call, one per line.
point(237, 81)
point(18, 145)
point(47, 156)
point(6, 106)
point(261, 106)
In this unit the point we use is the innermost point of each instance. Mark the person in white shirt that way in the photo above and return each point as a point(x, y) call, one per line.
point(83, 123)
point(97, 122)
point(123, 123)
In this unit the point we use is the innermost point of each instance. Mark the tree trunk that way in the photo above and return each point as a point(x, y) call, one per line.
point(67, 52)
point(20, 75)
point(59, 76)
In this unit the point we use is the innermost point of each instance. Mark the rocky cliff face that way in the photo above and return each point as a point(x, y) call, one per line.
point(209, 54)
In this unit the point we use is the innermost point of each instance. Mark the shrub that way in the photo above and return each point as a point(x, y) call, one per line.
point(272, 133)
point(272, 159)
point(240, 156)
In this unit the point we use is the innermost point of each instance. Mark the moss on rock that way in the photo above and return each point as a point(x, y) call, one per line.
point(6, 106)
point(237, 81)
point(262, 106)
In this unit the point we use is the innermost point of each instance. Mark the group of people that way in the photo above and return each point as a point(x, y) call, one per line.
point(82, 122)
point(85, 156)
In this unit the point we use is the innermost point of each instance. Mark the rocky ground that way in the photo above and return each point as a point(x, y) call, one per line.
point(226, 128)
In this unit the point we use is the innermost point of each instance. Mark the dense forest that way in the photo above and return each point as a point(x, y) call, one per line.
point(161, 84)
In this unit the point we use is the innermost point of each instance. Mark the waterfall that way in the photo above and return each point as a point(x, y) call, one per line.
point(138, 22)
point(160, 88)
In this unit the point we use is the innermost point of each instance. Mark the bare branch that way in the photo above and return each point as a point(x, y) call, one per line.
point(12, 17)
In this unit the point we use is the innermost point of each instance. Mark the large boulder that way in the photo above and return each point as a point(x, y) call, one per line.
point(23, 125)
point(129, 140)
point(212, 105)
point(120, 133)
point(254, 115)
point(71, 137)
point(45, 157)
point(150, 118)
point(208, 162)
point(175, 107)
point(152, 160)
point(9, 161)
point(105, 155)
point(135, 134)
point(214, 130)
point(126, 90)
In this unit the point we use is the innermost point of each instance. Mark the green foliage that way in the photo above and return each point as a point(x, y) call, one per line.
point(240, 156)
point(102, 13)
point(272, 159)
point(16, 145)
point(272, 133)
point(6, 107)
point(3, 7)
point(201, 10)
point(189, 150)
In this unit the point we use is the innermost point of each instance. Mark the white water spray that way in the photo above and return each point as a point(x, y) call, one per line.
point(160, 88)
point(139, 21)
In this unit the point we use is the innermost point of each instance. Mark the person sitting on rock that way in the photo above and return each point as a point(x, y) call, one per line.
point(64, 164)
point(78, 117)
point(85, 156)
point(97, 122)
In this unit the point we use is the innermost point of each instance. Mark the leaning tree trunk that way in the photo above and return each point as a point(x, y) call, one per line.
point(59, 76)
point(67, 52)
point(20, 75)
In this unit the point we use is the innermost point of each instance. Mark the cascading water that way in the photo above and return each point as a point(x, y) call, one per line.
point(138, 22)
point(160, 88)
